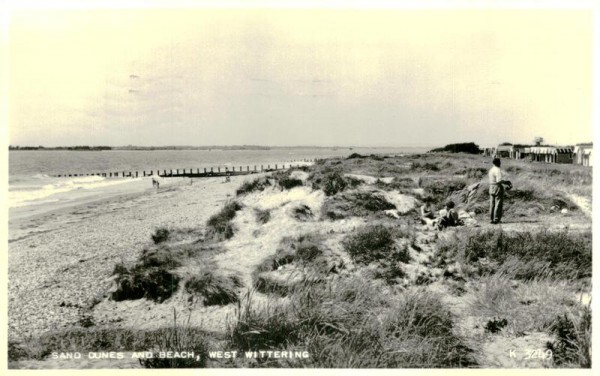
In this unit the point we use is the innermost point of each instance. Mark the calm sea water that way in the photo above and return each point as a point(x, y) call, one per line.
point(31, 181)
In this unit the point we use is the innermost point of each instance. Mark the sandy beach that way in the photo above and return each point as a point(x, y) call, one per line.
point(60, 261)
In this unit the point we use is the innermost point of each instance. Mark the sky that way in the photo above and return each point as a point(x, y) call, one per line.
point(391, 77)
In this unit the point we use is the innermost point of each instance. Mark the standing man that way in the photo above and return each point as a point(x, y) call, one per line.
point(496, 192)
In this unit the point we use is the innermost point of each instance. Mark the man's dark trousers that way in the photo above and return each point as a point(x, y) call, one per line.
point(496, 200)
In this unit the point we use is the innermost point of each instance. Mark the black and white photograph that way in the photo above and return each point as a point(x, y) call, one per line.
point(360, 185)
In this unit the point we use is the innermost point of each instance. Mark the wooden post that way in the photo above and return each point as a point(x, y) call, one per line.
point(205, 170)
point(177, 171)
point(198, 171)
point(211, 170)
point(248, 168)
point(261, 168)
point(164, 172)
point(136, 174)
point(218, 169)
point(254, 167)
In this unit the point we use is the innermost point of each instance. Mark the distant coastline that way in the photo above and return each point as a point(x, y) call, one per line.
point(209, 148)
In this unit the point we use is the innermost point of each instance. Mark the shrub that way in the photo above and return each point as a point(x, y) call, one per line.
point(333, 183)
point(573, 340)
point(289, 183)
point(161, 235)
point(214, 289)
point(355, 204)
point(258, 184)
point(219, 225)
point(369, 244)
point(302, 213)
point(155, 283)
point(465, 147)
point(303, 251)
point(374, 243)
point(355, 155)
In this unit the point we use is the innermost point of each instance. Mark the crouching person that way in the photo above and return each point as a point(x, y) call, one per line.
point(448, 217)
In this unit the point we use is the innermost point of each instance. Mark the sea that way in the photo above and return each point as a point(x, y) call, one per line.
point(33, 181)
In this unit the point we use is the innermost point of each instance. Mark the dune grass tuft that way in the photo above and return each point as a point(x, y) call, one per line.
point(214, 288)
point(219, 225)
point(258, 184)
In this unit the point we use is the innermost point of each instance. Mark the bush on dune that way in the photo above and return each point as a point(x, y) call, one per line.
point(355, 203)
point(214, 288)
point(302, 252)
point(258, 184)
point(154, 283)
point(219, 225)
point(572, 347)
point(376, 244)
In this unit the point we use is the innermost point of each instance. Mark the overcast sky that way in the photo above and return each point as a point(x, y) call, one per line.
point(299, 77)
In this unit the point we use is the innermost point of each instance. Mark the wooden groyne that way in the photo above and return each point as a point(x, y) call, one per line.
point(195, 172)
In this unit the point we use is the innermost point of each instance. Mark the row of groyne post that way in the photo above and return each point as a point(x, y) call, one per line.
point(196, 172)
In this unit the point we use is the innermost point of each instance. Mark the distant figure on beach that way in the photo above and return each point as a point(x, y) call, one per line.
point(227, 178)
point(155, 182)
point(497, 186)
point(448, 216)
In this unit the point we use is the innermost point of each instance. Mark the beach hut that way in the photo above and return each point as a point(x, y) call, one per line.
point(520, 151)
point(582, 154)
point(504, 151)
point(489, 152)
point(551, 154)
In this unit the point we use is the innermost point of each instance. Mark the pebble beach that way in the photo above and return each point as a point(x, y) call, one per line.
point(60, 260)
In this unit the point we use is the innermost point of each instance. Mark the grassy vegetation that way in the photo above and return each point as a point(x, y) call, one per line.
point(154, 277)
point(219, 225)
point(355, 203)
point(572, 348)
point(377, 244)
point(151, 278)
point(161, 235)
point(301, 253)
point(214, 288)
point(258, 184)
point(348, 322)
point(527, 255)
point(172, 338)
